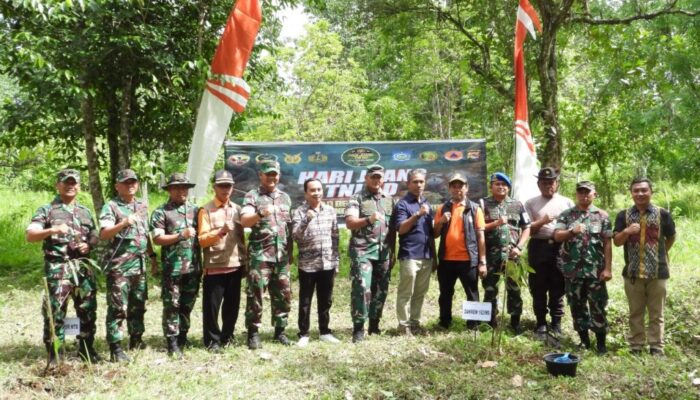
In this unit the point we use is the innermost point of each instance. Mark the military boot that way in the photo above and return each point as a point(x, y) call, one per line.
point(585, 339)
point(137, 343)
point(281, 337)
point(373, 328)
point(358, 333)
point(86, 350)
point(600, 343)
point(556, 325)
point(116, 354)
point(173, 348)
point(182, 341)
point(515, 324)
point(254, 340)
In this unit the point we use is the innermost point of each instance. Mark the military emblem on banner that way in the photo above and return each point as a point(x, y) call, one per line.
point(292, 158)
point(401, 156)
point(261, 158)
point(473, 154)
point(318, 158)
point(428, 156)
point(360, 157)
point(453, 155)
point(239, 159)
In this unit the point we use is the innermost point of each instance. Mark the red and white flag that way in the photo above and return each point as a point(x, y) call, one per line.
point(225, 93)
point(526, 164)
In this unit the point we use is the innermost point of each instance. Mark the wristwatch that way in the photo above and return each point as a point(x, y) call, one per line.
point(482, 262)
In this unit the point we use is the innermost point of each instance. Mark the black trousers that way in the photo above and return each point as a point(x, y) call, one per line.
point(322, 283)
point(448, 272)
point(218, 289)
point(547, 279)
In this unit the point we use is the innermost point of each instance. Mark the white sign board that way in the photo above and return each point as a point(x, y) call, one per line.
point(71, 326)
point(476, 311)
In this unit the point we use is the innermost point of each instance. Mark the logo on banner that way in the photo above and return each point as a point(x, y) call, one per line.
point(453, 155)
point(401, 156)
point(292, 158)
point(428, 156)
point(473, 154)
point(239, 159)
point(318, 157)
point(360, 157)
point(265, 157)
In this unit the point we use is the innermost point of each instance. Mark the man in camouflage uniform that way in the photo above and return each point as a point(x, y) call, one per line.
point(124, 223)
point(368, 215)
point(507, 230)
point(68, 231)
point(585, 259)
point(173, 226)
point(266, 210)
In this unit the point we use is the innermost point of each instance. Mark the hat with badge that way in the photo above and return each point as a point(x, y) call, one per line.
point(586, 185)
point(548, 173)
point(68, 173)
point(375, 169)
point(222, 176)
point(457, 177)
point(500, 176)
point(126, 174)
point(268, 166)
point(178, 179)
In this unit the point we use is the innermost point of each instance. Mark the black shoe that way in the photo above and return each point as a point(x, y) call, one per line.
point(600, 343)
point(585, 339)
point(173, 348)
point(515, 324)
point(555, 329)
point(358, 333)
point(541, 332)
point(116, 354)
point(136, 343)
point(373, 328)
point(86, 350)
point(182, 341)
point(214, 347)
point(281, 337)
point(254, 341)
point(656, 352)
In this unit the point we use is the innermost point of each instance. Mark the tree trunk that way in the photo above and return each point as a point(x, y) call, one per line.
point(547, 68)
point(113, 143)
point(88, 112)
point(125, 124)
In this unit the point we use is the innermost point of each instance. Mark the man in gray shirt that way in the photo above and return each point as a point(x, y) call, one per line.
point(543, 252)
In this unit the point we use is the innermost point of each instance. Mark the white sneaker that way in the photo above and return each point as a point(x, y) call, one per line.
point(303, 341)
point(329, 338)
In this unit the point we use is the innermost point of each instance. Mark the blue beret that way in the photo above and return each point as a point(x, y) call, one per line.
point(500, 176)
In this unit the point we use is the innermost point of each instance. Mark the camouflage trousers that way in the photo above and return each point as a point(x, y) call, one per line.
point(370, 286)
point(126, 300)
point(179, 293)
point(84, 297)
point(275, 277)
point(514, 301)
point(587, 299)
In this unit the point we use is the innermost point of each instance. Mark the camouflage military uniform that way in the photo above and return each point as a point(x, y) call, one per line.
point(581, 259)
point(67, 271)
point(181, 263)
point(269, 258)
point(370, 255)
point(125, 267)
point(498, 245)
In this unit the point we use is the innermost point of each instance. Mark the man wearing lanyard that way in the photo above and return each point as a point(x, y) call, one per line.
point(372, 245)
point(543, 251)
point(173, 227)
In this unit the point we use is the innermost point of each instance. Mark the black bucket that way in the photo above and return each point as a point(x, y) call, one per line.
point(560, 368)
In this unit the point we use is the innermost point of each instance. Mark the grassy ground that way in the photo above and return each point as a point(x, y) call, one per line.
point(436, 365)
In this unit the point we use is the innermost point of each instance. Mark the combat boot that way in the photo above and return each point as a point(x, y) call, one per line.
point(182, 341)
point(585, 339)
point(173, 349)
point(358, 333)
point(281, 337)
point(600, 343)
point(86, 350)
point(515, 324)
point(254, 340)
point(116, 354)
point(136, 343)
point(556, 325)
point(373, 328)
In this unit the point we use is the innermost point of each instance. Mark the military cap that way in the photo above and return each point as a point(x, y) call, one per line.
point(269, 166)
point(375, 169)
point(457, 177)
point(178, 179)
point(222, 176)
point(500, 176)
point(68, 173)
point(586, 185)
point(548, 173)
point(126, 174)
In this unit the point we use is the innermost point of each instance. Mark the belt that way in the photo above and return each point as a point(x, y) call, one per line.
point(549, 241)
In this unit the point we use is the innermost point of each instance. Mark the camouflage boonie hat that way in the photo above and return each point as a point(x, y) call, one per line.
point(269, 166)
point(586, 185)
point(68, 173)
point(375, 169)
point(126, 174)
point(223, 176)
point(458, 177)
point(547, 173)
point(178, 179)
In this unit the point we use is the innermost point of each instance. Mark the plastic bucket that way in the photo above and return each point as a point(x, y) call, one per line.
point(559, 368)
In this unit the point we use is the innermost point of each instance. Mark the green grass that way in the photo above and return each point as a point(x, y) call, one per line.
point(438, 365)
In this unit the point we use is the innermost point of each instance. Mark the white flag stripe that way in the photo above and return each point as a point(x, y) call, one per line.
point(236, 97)
point(213, 121)
point(234, 80)
point(526, 169)
point(526, 21)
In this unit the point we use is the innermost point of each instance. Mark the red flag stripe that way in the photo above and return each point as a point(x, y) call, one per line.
point(231, 98)
point(234, 88)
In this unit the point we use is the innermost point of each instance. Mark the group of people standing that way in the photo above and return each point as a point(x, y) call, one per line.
point(570, 252)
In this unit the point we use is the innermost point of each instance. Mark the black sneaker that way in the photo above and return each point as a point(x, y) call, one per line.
point(254, 341)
